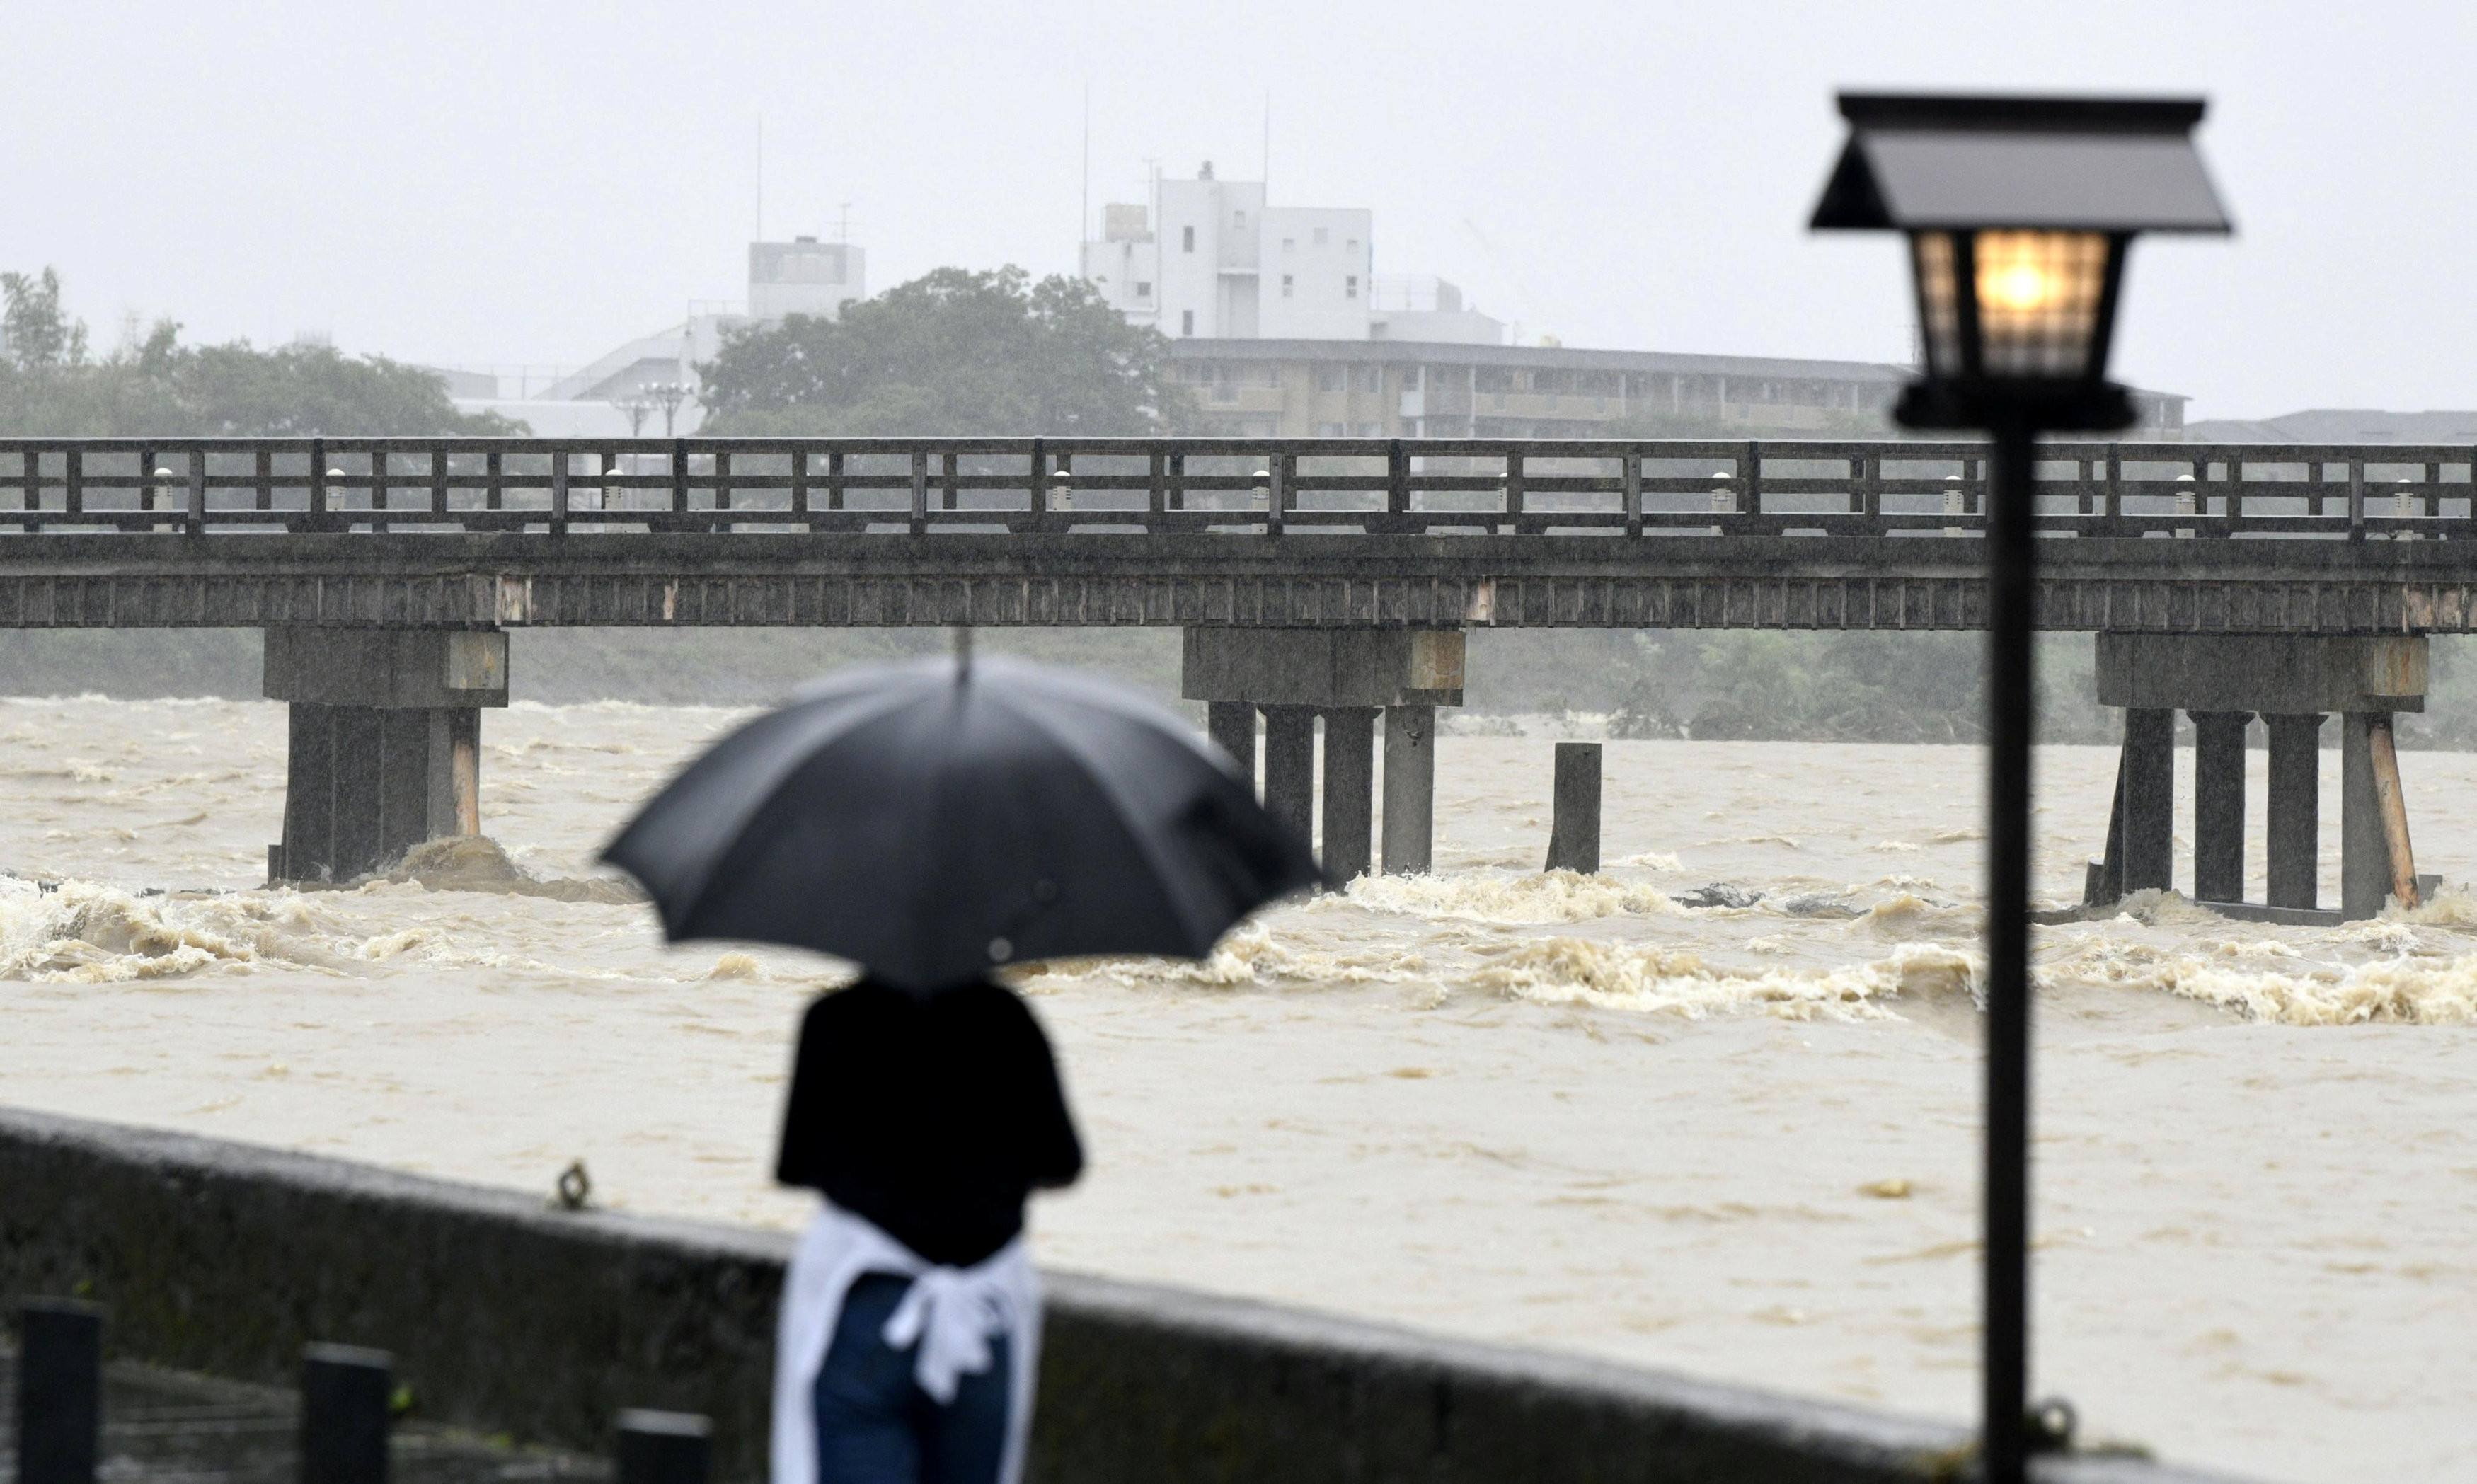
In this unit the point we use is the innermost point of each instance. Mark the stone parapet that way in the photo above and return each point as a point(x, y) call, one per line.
point(506, 1316)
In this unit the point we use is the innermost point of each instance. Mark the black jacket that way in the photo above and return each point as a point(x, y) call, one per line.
point(934, 1116)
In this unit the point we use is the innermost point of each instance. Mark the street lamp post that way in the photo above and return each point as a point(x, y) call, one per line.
point(669, 395)
point(2018, 212)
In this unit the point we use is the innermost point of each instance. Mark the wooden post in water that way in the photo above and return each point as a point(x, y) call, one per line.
point(1574, 835)
point(2392, 806)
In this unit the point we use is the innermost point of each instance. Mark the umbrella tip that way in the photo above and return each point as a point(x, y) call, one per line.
point(962, 652)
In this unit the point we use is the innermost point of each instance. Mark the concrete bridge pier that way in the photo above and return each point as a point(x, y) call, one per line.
point(383, 744)
point(2292, 682)
point(2295, 810)
point(2219, 805)
point(1342, 678)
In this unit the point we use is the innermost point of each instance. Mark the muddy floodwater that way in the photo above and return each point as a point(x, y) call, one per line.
point(1737, 1140)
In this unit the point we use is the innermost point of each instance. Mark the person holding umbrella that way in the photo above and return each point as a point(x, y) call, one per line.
point(933, 822)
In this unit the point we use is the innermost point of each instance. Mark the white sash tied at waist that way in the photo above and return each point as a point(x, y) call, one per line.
point(951, 1313)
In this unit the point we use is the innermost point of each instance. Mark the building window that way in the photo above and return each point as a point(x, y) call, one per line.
point(1371, 430)
point(1332, 378)
point(1351, 246)
point(1367, 378)
point(1322, 237)
point(1285, 285)
point(1411, 378)
point(1186, 240)
point(1350, 287)
point(1238, 219)
point(1187, 321)
point(1332, 430)
point(1290, 244)
point(1143, 291)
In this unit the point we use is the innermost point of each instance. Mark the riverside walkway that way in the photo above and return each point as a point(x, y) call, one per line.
point(498, 533)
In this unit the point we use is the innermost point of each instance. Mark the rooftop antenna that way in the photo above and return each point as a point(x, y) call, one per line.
point(842, 222)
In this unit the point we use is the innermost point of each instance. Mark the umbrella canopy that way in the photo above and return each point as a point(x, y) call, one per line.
point(931, 819)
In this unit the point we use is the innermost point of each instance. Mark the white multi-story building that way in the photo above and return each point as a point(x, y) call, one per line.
point(1209, 259)
point(802, 276)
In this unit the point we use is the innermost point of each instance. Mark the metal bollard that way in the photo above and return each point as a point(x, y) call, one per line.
point(663, 1447)
point(1574, 835)
point(59, 1392)
point(344, 1396)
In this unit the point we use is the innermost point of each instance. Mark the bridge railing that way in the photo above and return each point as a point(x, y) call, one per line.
point(588, 487)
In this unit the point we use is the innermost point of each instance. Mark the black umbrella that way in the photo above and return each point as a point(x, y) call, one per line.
point(930, 821)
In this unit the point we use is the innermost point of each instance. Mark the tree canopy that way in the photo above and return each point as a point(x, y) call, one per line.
point(953, 352)
point(51, 387)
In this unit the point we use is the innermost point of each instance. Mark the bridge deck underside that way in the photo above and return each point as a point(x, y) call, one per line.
point(2259, 586)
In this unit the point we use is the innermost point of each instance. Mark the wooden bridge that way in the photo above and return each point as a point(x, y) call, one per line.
point(1319, 582)
point(494, 533)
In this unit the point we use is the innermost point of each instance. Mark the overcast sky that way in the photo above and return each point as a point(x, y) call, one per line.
point(507, 183)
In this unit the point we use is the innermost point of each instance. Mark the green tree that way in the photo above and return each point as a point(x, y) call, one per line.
point(50, 388)
point(38, 336)
point(952, 352)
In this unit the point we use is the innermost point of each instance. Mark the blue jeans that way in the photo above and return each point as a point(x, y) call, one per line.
point(875, 1425)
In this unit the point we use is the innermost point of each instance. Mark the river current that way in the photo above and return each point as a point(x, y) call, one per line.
point(1732, 1140)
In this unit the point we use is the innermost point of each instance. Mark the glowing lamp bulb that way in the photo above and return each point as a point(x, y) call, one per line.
point(2022, 288)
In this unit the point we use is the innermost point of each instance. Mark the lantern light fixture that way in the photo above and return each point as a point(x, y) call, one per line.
point(2019, 214)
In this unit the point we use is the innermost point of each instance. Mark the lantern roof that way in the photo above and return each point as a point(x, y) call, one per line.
point(1927, 162)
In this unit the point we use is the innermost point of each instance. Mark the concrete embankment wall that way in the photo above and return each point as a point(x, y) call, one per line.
point(506, 1315)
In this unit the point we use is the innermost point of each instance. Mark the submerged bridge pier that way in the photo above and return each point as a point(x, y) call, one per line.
point(1296, 677)
point(2294, 682)
point(383, 744)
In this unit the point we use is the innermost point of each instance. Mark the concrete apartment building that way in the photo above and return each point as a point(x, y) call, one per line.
point(1281, 325)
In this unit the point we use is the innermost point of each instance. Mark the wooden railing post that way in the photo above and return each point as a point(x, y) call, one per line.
point(2115, 498)
point(1039, 481)
point(1397, 479)
point(919, 490)
point(197, 522)
point(1630, 480)
point(559, 492)
point(2356, 499)
point(1277, 503)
